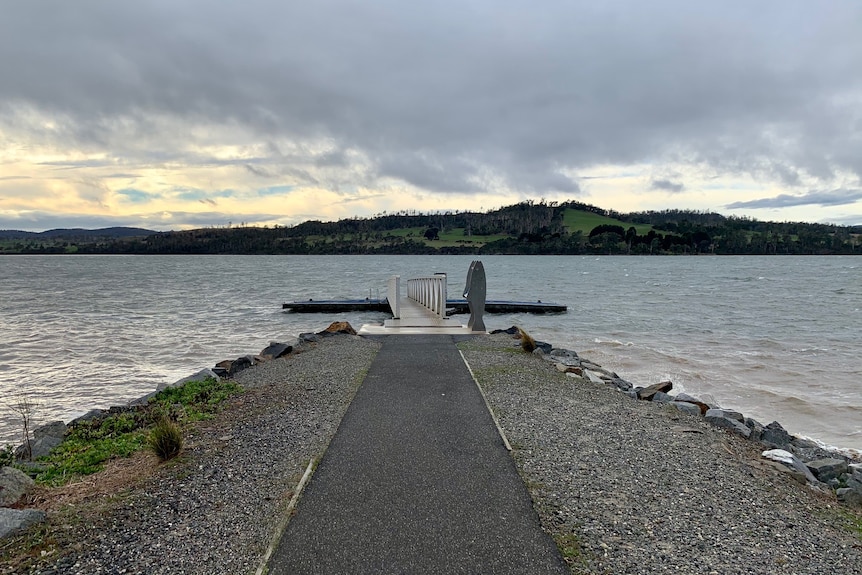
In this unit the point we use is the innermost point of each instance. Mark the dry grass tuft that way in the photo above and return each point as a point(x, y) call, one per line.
point(165, 439)
point(528, 344)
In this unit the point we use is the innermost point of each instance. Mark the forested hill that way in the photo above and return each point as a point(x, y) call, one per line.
point(524, 228)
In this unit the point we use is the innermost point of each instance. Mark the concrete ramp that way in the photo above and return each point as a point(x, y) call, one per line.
point(416, 480)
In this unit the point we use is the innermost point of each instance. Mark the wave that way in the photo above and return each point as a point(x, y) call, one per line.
point(613, 342)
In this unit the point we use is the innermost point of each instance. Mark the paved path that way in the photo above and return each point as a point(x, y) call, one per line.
point(416, 480)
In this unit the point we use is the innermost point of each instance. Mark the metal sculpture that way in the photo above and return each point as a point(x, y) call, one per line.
point(474, 291)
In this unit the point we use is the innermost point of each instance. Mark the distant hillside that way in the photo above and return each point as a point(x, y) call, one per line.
point(76, 233)
point(524, 228)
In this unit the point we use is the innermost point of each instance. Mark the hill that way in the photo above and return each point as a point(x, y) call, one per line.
point(76, 233)
point(524, 228)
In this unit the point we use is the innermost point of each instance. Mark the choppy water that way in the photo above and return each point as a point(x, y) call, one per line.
point(775, 337)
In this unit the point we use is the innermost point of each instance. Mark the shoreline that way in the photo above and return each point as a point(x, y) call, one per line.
point(533, 399)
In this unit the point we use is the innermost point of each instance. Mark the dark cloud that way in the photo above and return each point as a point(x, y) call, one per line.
point(448, 96)
point(667, 186)
point(819, 198)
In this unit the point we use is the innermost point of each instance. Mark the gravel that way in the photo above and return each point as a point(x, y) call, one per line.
point(627, 486)
point(635, 487)
point(217, 509)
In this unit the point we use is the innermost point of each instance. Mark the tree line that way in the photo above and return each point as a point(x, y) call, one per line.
point(525, 228)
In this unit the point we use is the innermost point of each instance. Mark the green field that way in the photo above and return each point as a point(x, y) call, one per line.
point(449, 238)
point(584, 222)
point(574, 220)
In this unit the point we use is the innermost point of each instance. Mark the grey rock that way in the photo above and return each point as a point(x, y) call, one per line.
point(199, 376)
point(686, 407)
point(563, 353)
point(539, 351)
point(622, 384)
point(590, 365)
point(726, 413)
point(561, 367)
point(42, 447)
point(89, 416)
point(12, 520)
point(647, 393)
point(236, 365)
point(51, 429)
point(593, 376)
point(309, 337)
point(686, 398)
point(827, 469)
point(661, 397)
point(802, 443)
point(276, 350)
point(710, 401)
point(792, 465)
point(727, 419)
point(849, 496)
point(544, 346)
point(563, 360)
point(791, 472)
point(510, 331)
point(756, 428)
point(13, 485)
point(775, 436)
point(810, 453)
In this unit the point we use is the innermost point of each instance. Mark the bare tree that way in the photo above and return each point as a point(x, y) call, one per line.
point(25, 408)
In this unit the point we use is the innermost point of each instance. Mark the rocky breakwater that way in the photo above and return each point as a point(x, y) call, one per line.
point(806, 461)
point(17, 480)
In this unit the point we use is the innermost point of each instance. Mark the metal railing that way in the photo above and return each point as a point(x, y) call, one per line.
point(430, 292)
point(393, 295)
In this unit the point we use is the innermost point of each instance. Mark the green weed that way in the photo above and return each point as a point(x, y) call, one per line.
point(198, 399)
point(77, 456)
point(91, 444)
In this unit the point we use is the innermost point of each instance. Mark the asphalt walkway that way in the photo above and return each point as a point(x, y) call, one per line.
point(416, 480)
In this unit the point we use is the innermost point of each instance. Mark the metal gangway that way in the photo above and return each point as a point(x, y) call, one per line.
point(422, 309)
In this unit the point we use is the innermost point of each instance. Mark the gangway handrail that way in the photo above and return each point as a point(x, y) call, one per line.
point(430, 292)
point(393, 295)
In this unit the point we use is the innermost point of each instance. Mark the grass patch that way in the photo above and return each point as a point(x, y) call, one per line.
point(572, 551)
point(91, 444)
point(853, 521)
point(470, 346)
point(196, 400)
point(77, 456)
point(582, 221)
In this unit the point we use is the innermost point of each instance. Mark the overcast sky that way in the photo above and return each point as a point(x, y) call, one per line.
point(172, 114)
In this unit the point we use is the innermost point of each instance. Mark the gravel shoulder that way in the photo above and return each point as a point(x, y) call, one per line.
point(216, 508)
point(624, 486)
point(634, 487)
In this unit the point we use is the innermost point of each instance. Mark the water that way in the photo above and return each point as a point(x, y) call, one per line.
point(774, 337)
